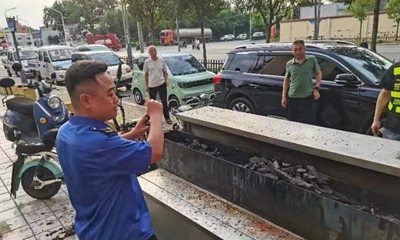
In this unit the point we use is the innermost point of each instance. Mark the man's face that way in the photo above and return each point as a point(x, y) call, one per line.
point(102, 102)
point(153, 52)
point(299, 50)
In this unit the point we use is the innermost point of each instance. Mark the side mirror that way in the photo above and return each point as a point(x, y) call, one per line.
point(17, 67)
point(347, 79)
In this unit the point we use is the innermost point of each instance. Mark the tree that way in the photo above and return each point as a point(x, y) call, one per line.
point(112, 23)
point(150, 11)
point(228, 21)
point(359, 10)
point(202, 10)
point(271, 11)
point(393, 12)
point(375, 25)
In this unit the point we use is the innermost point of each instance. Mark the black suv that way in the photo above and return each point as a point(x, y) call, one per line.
point(252, 76)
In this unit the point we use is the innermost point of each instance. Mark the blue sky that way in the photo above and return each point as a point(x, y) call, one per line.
point(29, 10)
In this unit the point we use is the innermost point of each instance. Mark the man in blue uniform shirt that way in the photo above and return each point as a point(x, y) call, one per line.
point(100, 166)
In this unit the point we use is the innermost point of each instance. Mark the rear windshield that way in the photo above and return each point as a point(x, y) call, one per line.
point(108, 58)
point(243, 61)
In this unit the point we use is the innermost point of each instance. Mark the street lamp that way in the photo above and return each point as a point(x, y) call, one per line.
point(62, 20)
point(5, 16)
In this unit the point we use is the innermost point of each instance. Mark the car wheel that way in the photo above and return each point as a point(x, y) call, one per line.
point(242, 105)
point(138, 97)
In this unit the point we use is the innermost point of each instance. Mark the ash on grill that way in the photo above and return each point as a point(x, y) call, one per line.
point(197, 145)
point(303, 176)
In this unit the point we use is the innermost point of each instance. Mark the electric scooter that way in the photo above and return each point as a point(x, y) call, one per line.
point(32, 127)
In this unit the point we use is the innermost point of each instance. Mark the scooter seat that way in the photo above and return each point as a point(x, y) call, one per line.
point(47, 144)
point(21, 105)
point(32, 148)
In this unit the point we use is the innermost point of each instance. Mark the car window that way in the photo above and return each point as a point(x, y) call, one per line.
point(60, 54)
point(368, 63)
point(272, 65)
point(25, 55)
point(40, 56)
point(243, 61)
point(141, 62)
point(329, 69)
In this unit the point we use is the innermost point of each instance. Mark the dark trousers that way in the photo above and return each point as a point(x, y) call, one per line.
point(162, 90)
point(301, 110)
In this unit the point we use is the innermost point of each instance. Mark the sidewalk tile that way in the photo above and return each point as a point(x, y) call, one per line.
point(44, 225)
point(32, 206)
point(38, 215)
point(9, 214)
point(17, 222)
point(7, 205)
point(18, 234)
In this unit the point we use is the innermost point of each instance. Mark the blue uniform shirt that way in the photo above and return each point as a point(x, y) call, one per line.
point(99, 170)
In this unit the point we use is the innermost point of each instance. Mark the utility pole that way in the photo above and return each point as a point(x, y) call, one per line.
point(11, 28)
point(126, 33)
point(250, 26)
point(140, 35)
point(317, 10)
point(177, 31)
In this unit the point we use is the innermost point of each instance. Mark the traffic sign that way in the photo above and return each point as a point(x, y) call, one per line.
point(11, 24)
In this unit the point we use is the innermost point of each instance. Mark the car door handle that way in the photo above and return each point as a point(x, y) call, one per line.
point(253, 85)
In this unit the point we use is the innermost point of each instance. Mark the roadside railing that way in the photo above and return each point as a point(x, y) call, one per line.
point(213, 65)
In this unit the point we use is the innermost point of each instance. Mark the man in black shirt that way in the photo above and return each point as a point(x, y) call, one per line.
point(390, 97)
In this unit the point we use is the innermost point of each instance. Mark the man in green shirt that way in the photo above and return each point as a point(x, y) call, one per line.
point(298, 92)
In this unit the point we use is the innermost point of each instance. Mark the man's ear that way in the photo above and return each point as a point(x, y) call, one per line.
point(85, 100)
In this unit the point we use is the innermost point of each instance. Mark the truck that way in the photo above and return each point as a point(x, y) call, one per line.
point(109, 40)
point(170, 36)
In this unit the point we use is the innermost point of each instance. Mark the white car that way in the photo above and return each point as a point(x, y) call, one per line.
point(228, 37)
point(112, 60)
point(10, 57)
point(52, 63)
point(242, 36)
point(92, 47)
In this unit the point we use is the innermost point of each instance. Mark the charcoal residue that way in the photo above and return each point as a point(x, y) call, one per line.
point(302, 176)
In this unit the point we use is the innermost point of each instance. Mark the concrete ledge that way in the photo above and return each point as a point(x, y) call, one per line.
point(363, 151)
point(181, 211)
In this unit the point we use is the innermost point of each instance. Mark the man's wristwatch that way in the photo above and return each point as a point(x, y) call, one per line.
point(316, 88)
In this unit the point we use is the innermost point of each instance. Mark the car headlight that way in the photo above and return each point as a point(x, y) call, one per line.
point(54, 102)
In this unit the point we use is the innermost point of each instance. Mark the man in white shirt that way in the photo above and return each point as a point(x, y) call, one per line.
point(156, 78)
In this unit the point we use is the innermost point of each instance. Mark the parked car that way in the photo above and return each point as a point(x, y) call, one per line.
point(258, 36)
point(242, 36)
point(91, 47)
point(186, 75)
point(228, 37)
point(52, 63)
point(25, 54)
point(112, 60)
point(251, 81)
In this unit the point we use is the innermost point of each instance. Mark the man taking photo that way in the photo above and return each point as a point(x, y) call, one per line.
point(390, 97)
point(100, 166)
point(298, 93)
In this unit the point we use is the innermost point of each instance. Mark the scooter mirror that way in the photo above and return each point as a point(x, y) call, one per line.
point(17, 67)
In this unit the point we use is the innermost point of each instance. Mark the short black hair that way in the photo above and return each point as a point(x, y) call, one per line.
point(81, 72)
point(299, 42)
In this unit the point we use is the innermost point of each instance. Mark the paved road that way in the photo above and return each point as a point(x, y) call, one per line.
point(218, 50)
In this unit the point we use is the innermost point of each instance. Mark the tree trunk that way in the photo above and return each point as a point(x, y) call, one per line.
point(267, 33)
point(375, 25)
point(397, 31)
point(361, 31)
point(203, 39)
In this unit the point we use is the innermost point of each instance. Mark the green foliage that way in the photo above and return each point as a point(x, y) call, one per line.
point(271, 11)
point(229, 22)
point(393, 10)
point(359, 9)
